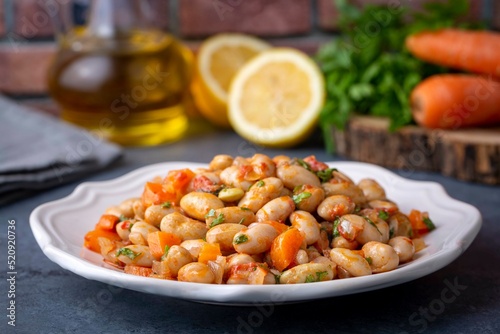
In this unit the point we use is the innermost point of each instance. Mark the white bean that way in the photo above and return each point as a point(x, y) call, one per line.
point(371, 189)
point(345, 188)
point(334, 206)
point(404, 248)
point(155, 213)
point(223, 234)
point(255, 239)
point(400, 225)
point(139, 232)
point(382, 257)
point(295, 175)
point(234, 176)
point(383, 205)
point(230, 215)
point(308, 197)
point(196, 272)
point(307, 224)
point(126, 207)
point(123, 228)
point(341, 242)
point(193, 246)
point(220, 161)
point(176, 258)
point(308, 272)
point(352, 262)
point(277, 209)
point(260, 193)
point(138, 255)
point(182, 226)
point(197, 204)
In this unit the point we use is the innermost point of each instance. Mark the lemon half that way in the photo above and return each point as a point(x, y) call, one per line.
point(218, 60)
point(276, 97)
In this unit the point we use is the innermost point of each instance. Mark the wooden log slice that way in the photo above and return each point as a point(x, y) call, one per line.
point(466, 154)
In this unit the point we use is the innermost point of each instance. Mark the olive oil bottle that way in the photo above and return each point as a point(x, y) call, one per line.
point(122, 78)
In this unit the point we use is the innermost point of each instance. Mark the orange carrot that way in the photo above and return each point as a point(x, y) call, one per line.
point(158, 240)
point(474, 51)
point(209, 252)
point(285, 247)
point(91, 239)
point(450, 101)
point(155, 193)
point(107, 222)
point(420, 222)
point(138, 270)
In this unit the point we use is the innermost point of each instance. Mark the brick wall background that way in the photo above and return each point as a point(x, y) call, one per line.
point(27, 44)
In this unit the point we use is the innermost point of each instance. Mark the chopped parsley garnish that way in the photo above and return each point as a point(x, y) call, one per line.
point(277, 278)
point(128, 253)
point(165, 252)
point(428, 222)
point(123, 218)
point(130, 226)
point(335, 231)
point(372, 223)
point(166, 205)
point(300, 197)
point(319, 277)
point(391, 232)
point(260, 183)
point(244, 208)
point(240, 239)
point(296, 189)
point(357, 209)
point(383, 215)
point(369, 260)
point(242, 220)
point(218, 220)
point(210, 213)
point(303, 164)
point(326, 174)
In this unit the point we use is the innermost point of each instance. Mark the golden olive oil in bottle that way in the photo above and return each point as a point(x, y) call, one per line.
point(125, 82)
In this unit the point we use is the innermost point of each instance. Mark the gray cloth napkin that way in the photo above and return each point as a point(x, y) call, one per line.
point(38, 151)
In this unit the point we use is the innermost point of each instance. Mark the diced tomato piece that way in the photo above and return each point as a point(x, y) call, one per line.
point(315, 164)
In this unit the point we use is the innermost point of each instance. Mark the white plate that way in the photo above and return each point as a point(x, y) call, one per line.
point(59, 228)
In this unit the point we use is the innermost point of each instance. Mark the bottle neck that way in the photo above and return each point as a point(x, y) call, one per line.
point(114, 18)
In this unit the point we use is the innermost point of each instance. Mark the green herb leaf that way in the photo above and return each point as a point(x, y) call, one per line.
point(391, 232)
point(369, 260)
point(335, 231)
point(430, 225)
point(260, 183)
point(242, 220)
point(244, 208)
point(304, 164)
point(326, 174)
point(373, 73)
point(318, 278)
point(127, 252)
point(218, 220)
point(165, 252)
point(242, 238)
point(383, 215)
point(210, 213)
point(166, 205)
point(300, 197)
point(123, 218)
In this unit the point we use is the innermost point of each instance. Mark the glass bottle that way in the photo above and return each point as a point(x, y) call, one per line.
point(120, 76)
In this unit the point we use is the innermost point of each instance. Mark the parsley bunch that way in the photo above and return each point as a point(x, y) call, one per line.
point(368, 70)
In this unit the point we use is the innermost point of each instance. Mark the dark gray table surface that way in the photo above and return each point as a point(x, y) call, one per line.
point(50, 299)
